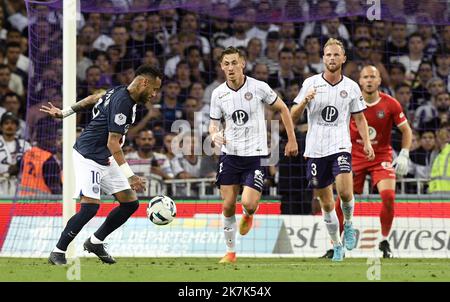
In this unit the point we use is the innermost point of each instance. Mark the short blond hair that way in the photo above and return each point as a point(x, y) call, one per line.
point(332, 41)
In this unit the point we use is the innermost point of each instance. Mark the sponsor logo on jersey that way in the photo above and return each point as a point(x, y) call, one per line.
point(223, 95)
point(343, 94)
point(120, 119)
point(330, 114)
point(240, 117)
point(372, 133)
point(401, 115)
point(380, 114)
point(248, 96)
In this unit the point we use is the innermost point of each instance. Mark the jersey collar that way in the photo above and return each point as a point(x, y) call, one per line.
point(374, 103)
point(342, 77)
point(236, 90)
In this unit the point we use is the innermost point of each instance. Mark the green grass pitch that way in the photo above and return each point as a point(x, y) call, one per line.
point(208, 269)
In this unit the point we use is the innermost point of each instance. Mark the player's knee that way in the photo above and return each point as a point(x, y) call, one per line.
point(229, 208)
point(250, 208)
point(346, 196)
point(130, 207)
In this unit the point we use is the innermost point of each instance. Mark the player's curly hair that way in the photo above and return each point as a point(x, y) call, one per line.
point(149, 71)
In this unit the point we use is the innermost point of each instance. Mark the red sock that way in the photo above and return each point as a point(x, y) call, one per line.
point(387, 211)
point(340, 214)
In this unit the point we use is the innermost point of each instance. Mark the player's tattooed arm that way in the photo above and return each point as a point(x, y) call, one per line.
point(114, 145)
point(114, 142)
point(85, 103)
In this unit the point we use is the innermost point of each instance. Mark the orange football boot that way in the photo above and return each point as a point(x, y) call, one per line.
point(245, 224)
point(228, 258)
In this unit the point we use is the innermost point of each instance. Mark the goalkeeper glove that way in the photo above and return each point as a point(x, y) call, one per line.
point(401, 162)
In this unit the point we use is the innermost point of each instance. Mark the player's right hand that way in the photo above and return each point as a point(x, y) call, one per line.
point(137, 183)
point(219, 138)
point(51, 110)
point(310, 95)
point(370, 154)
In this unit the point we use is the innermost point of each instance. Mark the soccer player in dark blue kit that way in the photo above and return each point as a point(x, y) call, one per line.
point(99, 161)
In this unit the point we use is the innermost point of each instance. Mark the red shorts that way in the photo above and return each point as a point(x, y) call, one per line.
point(380, 168)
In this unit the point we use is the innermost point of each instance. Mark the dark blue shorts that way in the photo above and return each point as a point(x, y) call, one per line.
point(241, 170)
point(321, 172)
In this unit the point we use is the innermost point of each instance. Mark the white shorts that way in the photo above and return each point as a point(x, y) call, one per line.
point(91, 178)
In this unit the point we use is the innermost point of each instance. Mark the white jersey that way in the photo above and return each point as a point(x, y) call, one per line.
point(329, 115)
point(143, 166)
point(10, 154)
point(243, 112)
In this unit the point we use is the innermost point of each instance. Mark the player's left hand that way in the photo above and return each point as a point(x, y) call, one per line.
point(401, 162)
point(370, 154)
point(291, 148)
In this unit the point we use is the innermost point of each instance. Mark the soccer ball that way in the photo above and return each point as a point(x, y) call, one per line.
point(161, 210)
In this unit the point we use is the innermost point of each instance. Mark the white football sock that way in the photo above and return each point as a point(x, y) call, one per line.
point(347, 209)
point(229, 229)
point(57, 250)
point(95, 240)
point(332, 223)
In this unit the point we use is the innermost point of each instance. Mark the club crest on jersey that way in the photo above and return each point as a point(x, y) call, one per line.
point(240, 117)
point(248, 96)
point(380, 114)
point(120, 119)
point(330, 114)
point(95, 189)
point(343, 94)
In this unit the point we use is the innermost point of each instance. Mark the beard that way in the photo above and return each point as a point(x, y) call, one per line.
point(142, 99)
point(146, 148)
point(443, 109)
point(333, 68)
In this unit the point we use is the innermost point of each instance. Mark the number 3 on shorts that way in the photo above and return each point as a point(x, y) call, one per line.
point(313, 169)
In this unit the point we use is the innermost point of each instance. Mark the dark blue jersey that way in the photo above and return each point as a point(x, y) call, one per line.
point(114, 112)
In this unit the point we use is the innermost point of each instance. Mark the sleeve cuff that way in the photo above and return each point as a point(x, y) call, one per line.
point(213, 118)
point(402, 123)
point(276, 97)
point(359, 111)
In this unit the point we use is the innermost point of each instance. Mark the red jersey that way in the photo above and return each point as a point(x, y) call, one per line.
point(381, 116)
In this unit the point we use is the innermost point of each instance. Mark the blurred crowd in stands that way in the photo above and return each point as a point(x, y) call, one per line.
point(412, 54)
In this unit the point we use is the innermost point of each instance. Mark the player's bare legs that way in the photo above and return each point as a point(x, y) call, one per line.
point(229, 195)
point(344, 187)
point(325, 196)
point(250, 199)
point(386, 187)
point(88, 209)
